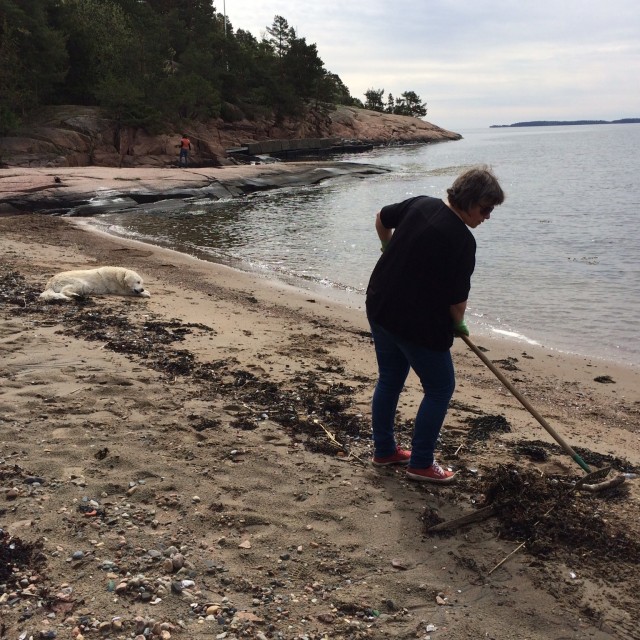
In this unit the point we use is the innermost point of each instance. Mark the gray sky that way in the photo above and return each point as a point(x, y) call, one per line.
point(474, 62)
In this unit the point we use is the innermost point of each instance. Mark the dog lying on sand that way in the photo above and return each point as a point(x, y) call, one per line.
point(85, 282)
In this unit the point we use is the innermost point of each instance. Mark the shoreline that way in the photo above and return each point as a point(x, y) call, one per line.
point(354, 299)
point(198, 463)
point(90, 190)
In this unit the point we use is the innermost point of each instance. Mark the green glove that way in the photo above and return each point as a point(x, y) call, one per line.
point(461, 327)
point(384, 244)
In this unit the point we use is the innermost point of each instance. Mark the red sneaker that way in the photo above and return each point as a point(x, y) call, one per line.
point(401, 456)
point(434, 473)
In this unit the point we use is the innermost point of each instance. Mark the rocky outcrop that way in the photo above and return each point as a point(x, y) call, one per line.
point(88, 191)
point(384, 128)
point(71, 136)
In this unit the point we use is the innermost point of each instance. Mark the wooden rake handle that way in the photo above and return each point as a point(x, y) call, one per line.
point(525, 403)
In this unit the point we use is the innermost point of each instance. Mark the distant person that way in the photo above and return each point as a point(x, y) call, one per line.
point(416, 301)
point(185, 147)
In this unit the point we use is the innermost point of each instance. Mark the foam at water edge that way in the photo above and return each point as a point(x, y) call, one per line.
point(516, 336)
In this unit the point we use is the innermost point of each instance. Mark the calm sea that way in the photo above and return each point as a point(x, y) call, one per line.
point(558, 264)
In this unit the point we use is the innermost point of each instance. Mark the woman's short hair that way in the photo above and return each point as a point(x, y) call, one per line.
point(476, 186)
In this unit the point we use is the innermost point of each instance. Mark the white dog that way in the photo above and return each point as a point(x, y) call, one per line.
point(104, 280)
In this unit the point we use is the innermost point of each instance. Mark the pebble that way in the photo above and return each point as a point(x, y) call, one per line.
point(121, 588)
point(177, 561)
point(167, 565)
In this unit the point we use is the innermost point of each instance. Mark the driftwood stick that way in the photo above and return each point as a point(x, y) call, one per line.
point(474, 516)
point(602, 486)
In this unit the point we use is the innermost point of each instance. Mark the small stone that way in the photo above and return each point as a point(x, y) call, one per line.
point(122, 587)
point(77, 555)
point(327, 618)
point(248, 617)
point(245, 544)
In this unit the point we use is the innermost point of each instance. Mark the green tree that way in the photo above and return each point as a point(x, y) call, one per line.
point(149, 61)
point(303, 68)
point(374, 99)
point(33, 57)
point(281, 36)
point(99, 40)
point(412, 105)
point(391, 105)
point(341, 94)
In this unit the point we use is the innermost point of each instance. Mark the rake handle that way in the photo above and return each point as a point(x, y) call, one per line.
point(525, 403)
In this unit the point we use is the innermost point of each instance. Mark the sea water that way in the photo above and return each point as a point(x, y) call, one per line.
point(558, 264)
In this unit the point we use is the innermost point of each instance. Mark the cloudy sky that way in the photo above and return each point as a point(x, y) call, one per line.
point(474, 62)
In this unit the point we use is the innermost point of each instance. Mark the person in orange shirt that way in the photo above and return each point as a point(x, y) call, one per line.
point(185, 147)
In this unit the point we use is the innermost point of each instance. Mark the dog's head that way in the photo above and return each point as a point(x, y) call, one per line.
point(134, 282)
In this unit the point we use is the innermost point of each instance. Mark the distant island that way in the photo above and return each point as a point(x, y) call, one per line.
point(558, 123)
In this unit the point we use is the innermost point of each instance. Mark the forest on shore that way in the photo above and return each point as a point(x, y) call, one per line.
point(152, 62)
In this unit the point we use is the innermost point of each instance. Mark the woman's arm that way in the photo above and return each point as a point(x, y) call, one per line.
point(457, 312)
point(383, 233)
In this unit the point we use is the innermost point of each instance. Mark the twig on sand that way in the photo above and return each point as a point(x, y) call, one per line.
point(69, 393)
point(507, 557)
point(332, 438)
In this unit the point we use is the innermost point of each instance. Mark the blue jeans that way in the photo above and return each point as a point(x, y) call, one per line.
point(435, 369)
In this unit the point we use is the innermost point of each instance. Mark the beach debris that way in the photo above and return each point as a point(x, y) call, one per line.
point(508, 364)
point(483, 426)
point(604, 379)
point(396, 563)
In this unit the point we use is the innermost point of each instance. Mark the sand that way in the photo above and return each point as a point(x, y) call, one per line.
point(197, 465)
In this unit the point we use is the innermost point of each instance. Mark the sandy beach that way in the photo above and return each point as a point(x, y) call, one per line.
point(197, 465)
